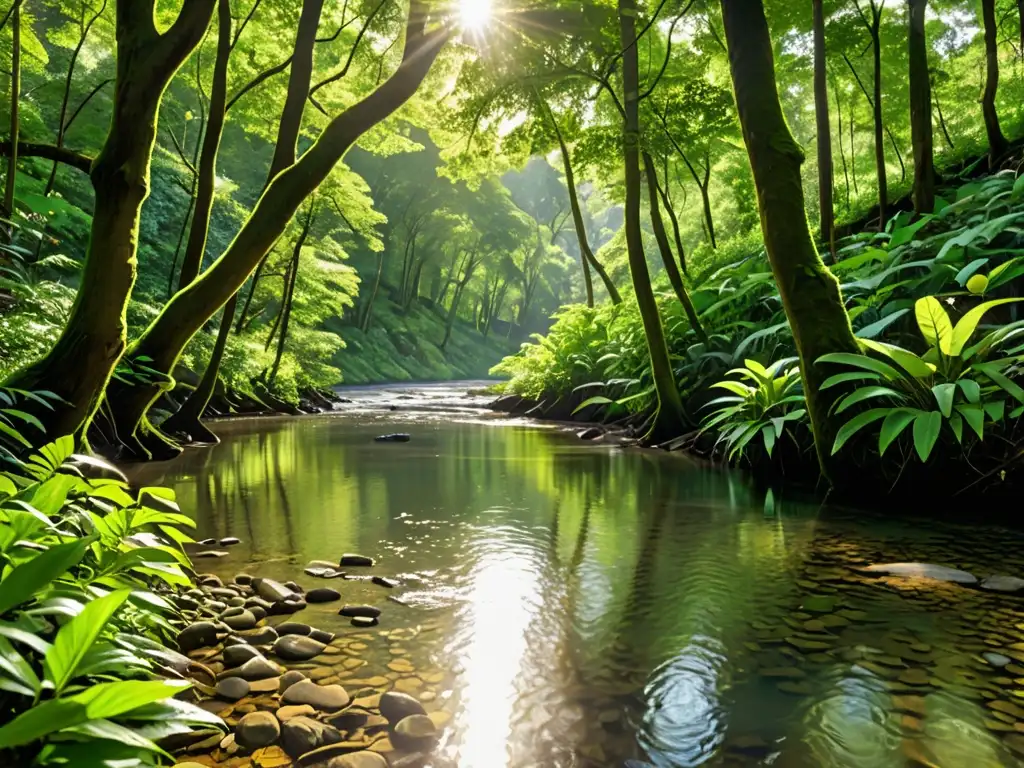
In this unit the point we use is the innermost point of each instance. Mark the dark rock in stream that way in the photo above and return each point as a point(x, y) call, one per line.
point(415, 732)
point(232, 689)
point(293, 628)
point(287, 607)
point(230, 541)
point(243, 578)
point(398, 437)
point(209, 553)
point(395, 706)
point(368, 611)
point(384, 582)
point(202, 634)
point(322, 595)
point(353, 560)
point(254, 669)
point(326, 698)
point(207, 543)
point(237, 655)
point(1007, 584)
point(270, 590)
point(324, 573)
point(257, 729)
point(364, 621)
point(592, 433)
point(297, 648)
point(300, 735)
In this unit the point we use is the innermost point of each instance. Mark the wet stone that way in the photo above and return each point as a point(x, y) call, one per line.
point(384, 582)
point(257, 729)
point(293, 628)
point(782, 672)
point(232, 689)
point(242, 620)
point(996, 659)
point(322, 595)
point(300, 735)
point(284, 714)
point(327, 698)
point(230, 541)
point(297, 648)
point(804, 644)
point(199, 635)
point(321, 636)
point(353, 611)
point(353, 560)
point(324, 573)
point(415, 732)
point(922, 571)
point(258, 636)
point(290, 678)
point(255, 669)
point(270, 590)
point(364, 621)
point(395, 706)
point(1008, 584)
point(209, 553)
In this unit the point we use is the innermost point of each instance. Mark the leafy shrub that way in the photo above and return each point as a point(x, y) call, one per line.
point(772, 400)
point(953, 383)
point(85, 568)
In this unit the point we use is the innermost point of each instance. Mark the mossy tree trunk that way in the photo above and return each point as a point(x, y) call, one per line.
point(80, 363)
point(810, 293)
point(827, 216)
point(188, 419)
point(15, 124)
point(921, 110)
point(671, 268)
point(996, 140)
point(669, 421)
point(193, 306)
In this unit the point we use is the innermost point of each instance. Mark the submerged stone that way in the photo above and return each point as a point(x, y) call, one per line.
point(397, 437)
point(257, 729)
point(923, 571)
point(354, 560)
point(360, 610)
point(1003, 584)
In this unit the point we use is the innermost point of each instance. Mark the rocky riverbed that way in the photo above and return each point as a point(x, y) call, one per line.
point(293, 694)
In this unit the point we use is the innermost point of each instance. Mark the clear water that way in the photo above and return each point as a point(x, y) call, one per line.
point(576, 604)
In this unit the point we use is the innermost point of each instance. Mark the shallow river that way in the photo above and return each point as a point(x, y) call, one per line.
point(578, 604)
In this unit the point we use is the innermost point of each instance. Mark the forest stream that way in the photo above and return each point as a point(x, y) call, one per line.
point(565, 603)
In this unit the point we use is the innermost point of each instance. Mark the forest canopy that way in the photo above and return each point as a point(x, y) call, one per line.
point(213, 203)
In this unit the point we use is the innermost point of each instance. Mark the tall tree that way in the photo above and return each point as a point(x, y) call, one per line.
point(921, 109)
point(79, 365)
point(12, 161)
point(996, 140)
point(193, 306)
point(669, 421)
point(825, 169)
point(872, 20)
point(809, 292)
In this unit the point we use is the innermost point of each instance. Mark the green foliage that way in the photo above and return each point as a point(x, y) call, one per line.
point(952, 384)
point(768, 406)
point(86, 569)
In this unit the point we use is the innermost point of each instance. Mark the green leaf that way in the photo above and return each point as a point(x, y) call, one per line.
point(934, 324)
point(908, 361)
point(1001, 380)
point(28, 578)
point(974, 415)
point(956, 423)
point(863, 362)
point(875, 328)
point(967, 272)
point(969, 323)
point(944, 394)
point(893, 427)
point(995, 410)
point(971, 390)
point(926, 431)
point(843, 378)
point(857, 423)
point(768, 434)
point(906, 234)
point(597, 400)
point(98, 702)
point(77, 636)
point(17, 670)
point(867, 393)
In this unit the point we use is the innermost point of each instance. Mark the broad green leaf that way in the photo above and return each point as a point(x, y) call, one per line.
point(893, 427)
point(28, 578)
point(862, 361)
point(906, 234)
point(597, 400)
point(995, 410)
point(934, 324)
point(1000, 379)
point(856, 424)
point(102, 701)
point(75, 638)
point(867, 393)
point(768, 435)
point(15, 668)
point(967, 272)
point(926, 431)
point(944, 394)
point(971, 390)
point(974, 415)
point(875, 328)
point(908, 361)
point(843, 378)
point(968, 324)
point(956, 423)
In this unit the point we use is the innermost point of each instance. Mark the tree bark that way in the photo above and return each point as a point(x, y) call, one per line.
point(12, 160)
point(997, 143)
point(921, 110)
point(827, 214)
point(289, 297)
point(842, 149)
point(586, 252)
point(207, 175)
point(674, 276)
point(669, 420)
point(883, 186)
point(809, 292)
point(942, 119)
point(80, 363)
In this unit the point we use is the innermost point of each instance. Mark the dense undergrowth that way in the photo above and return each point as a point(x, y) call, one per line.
point(933, 301)
point(87, 569)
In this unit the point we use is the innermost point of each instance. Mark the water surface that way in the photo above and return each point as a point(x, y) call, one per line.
point(575, 604)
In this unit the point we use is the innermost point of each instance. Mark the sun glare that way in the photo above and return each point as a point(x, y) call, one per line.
point(475, 14)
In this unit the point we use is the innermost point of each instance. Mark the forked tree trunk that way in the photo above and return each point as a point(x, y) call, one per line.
point(190, 308)
point(810, 293)
point(671, 269)
point(996, 140)
point(669, 421)
point(826, 214)
point(12, 160)
point(80, 363)
point(921, 110)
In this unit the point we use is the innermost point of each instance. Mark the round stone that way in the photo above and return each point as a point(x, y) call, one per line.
point(293, 628)
point(258, 636)
point(232, 689)
point(326, 698)
point(230, 541)
point(243, 578)
point(365, 759)
point(395, 706)
point(1003, 584)
point(257, 729)
point(415, 732)
point(353, 560)
point(243, 620)
point(364, 621)
point(290, 678)
point(297, 648)
point(284, 714)
point(323, 595)
point(300, 735)
point(256, 669)
point(202, 634)
point(352, 611)
point(996, 659)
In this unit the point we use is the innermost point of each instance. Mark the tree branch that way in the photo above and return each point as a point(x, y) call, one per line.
point(348, 63)
point(69, 157)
